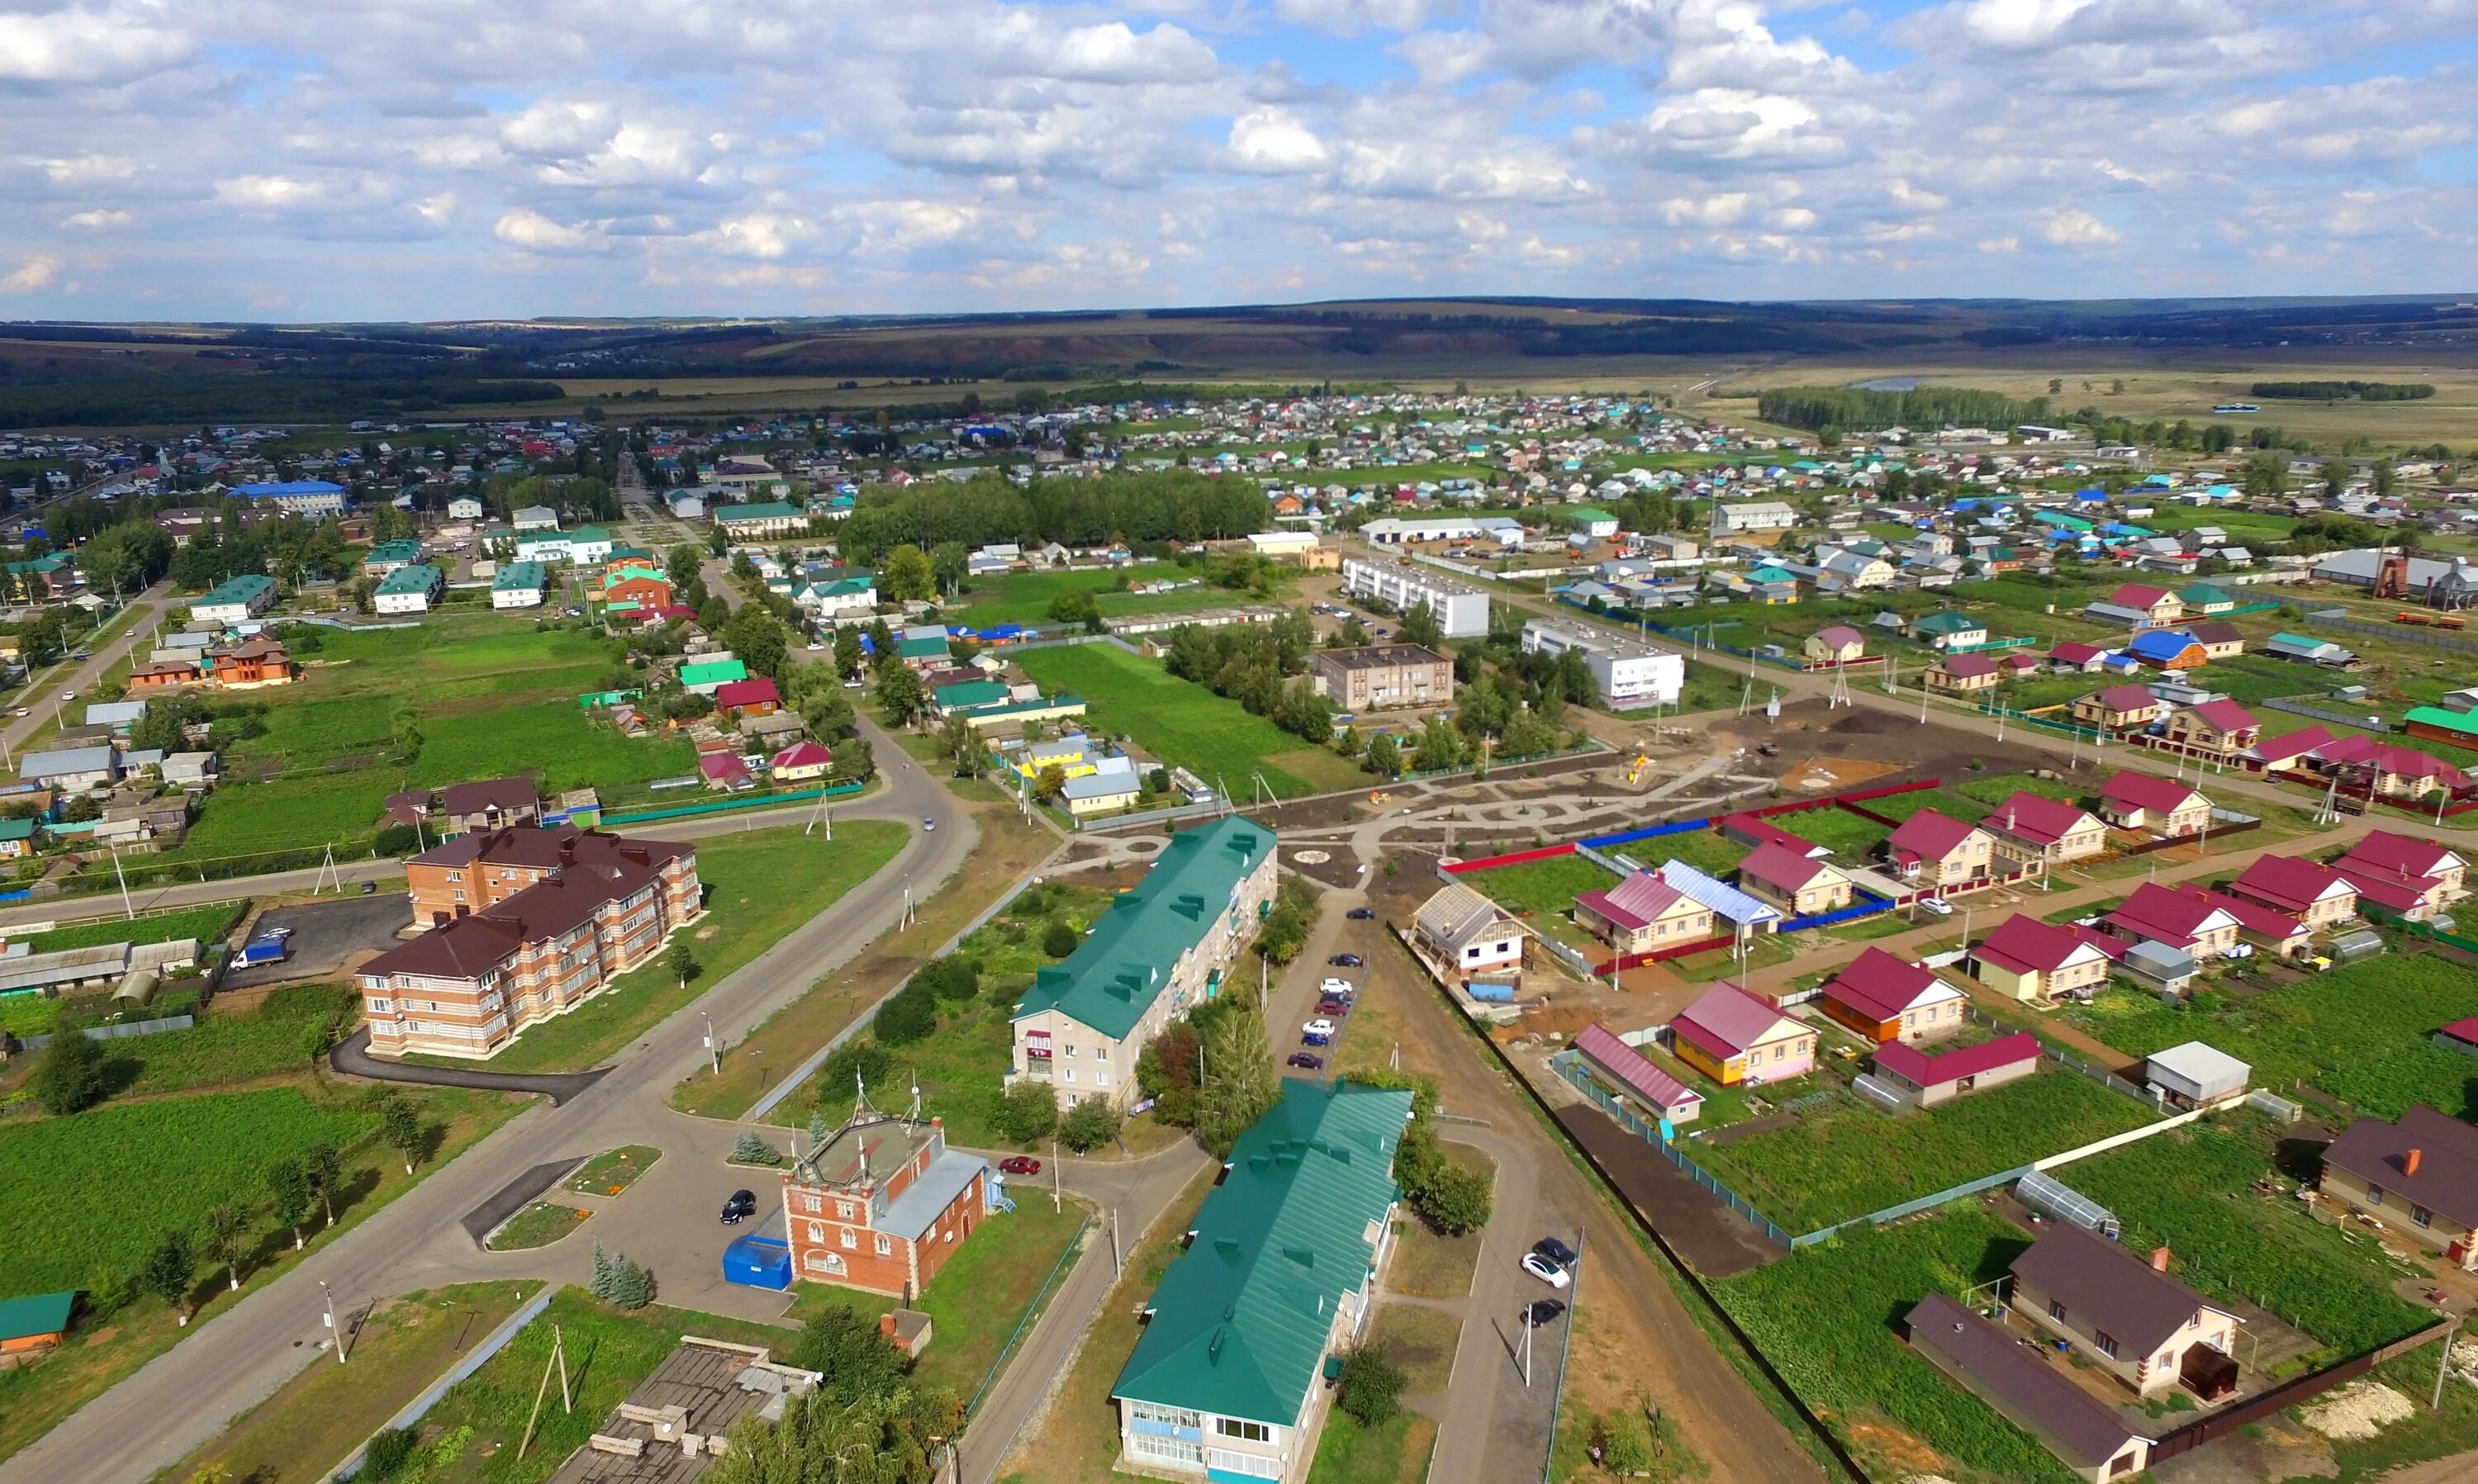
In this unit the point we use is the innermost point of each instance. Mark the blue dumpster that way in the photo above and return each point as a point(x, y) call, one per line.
point(757, 1262)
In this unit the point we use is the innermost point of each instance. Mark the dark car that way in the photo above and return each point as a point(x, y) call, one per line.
point(1332, 1007)
point(1545, 1311)
point(1315, 1039)
point(1555, 1251)
point(1307, 1059)
point(1019, 1164)
point(1360, 913)
point(741, 1205)
point(1346, 961)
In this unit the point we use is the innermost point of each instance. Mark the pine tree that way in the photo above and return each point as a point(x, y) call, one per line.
point(601, 1285)
point(752, 1149)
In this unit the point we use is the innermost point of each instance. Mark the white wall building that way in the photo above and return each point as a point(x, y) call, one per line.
point(1461, 610)
point(1627, 671)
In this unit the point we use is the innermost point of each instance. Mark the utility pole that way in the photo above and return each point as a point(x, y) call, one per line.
point(713, 1055)
point(1523, 1317)
point(1116, 1261)
point(2443, 1367)
point(334, 1330)
point(1057, 1201)
point(126, 909)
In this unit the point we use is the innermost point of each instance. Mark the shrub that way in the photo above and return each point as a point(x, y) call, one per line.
point(1025, 1111)
point(857, 1061)
point(389, 1452)
point(844, 1345)
point(909, 1016)
point(752, 1149)
point(1458, 1201)
point(1059, 939)
point(396, 840)
point(70, 1077)
point(953, 977)
point(1372, 1387)
point(1089, 1124)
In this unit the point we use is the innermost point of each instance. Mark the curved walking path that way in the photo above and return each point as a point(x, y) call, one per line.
point(352, 1058)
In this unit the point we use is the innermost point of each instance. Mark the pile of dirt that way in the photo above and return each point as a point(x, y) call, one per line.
point(2358, 1411)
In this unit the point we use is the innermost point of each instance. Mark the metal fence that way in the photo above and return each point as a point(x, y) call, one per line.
point(2297, 708)
point(118, 1031)
point(1648, 832)
point(2410, 633)
point(730, 805)
point(1569, 1065)
point(1869, 908)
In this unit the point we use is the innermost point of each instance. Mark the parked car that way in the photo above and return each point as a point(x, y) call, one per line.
point(1316, 1039)
point(1332, 1007)
point(927, 825)
point(1346, 961)
point(1545, 1271)
point(1334, 987)
point(1361, 914)
point(1019, 1164)
point(1555, 1251)
point(1936, 905)
point(1306, 1059)
point(741, 1205)
point(2237, 950)
point(1320, 1026)
point(1544, 1311)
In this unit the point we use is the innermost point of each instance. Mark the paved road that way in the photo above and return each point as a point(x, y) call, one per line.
point(183, 1397)
point(352, 1058)
point(41, 696)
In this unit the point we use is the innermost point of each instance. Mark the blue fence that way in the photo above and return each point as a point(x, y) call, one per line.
point(1850, 913)
point(1569, 1065)
point(1648, 832)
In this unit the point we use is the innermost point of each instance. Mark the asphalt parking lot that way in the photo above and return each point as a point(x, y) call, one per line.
point(326, 936)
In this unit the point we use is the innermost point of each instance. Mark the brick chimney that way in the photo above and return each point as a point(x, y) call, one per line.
point(2159, 1259)
point(2409, 1162)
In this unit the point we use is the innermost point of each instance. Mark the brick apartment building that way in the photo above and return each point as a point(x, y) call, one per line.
point(883, 1204)
point(1379, 677)
point(525, 923)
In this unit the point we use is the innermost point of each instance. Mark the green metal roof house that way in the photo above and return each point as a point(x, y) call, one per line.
point(964, 695)
point(704, 678)
point(1225, 1378)
point(1161, 947)
point(236, 598)
point(34, 1322)
point(2206, 599)
point(387, 556)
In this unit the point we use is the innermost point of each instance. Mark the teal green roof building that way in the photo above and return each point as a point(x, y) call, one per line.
point(1947, 622)
point(36, 1316)
point(1278, 1272)
point(416, 578)
point(519, 577)
point(392, 554)
point(1114, 975)
point(964, 695)
point(712, 672)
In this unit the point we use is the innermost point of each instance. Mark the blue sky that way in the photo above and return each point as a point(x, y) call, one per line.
point(239, 158)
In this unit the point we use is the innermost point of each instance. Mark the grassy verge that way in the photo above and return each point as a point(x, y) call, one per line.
point(1077, 1437)
point(1420, 1340)
point(761, 885)
point(208, 924)
point(306, 1428)
point(1008, 848)
point(978, 1300)
point(1183, 723)
point(614, 1170)
point(56, 1173)
point(1394, 1451)
point(536, 1225)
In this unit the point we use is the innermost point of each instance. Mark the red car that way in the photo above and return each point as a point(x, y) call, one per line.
point(1019, 1164)
point(1331, 1007)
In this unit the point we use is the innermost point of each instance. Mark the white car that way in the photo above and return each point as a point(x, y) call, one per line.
point(1334, 987)
point(1937, 905)
point(2237, 950)
point(1320, 1026)
point(1545, 1271)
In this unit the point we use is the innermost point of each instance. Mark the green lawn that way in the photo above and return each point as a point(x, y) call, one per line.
point(537, 1225)
point(1824, 1317)
point(1708, 852)
point(226, 1047)
point(1024, 598)
point(1185, 724)
point(2359, 1033)
point(55, 1228)
point(1854, 1159)
point(1547, 888)
point(292, 813)
point(1394, 1451)
point(208, 924)
point(2191, 1190)
point(760, 885)
point(959, 1070)
point(614, 1170)
point(1851, 837)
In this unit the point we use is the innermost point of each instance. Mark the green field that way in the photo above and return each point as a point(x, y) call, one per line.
point(1824, 1317)
point(56, 1225)
point(1546, 887)
point(1024, 598)
point(1854, 1158)
point(760, 885)
point(2191, 1190)
point(228, 1047)
point(494, 697)
point(1185, 724)
point(208, 924)
point(2359, 1033)
point(1851, 837)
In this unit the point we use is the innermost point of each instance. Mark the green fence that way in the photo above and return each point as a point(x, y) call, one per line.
point(731, 805)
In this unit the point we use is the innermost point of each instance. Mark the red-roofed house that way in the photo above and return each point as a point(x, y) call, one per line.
point(2145, 801)
point(1635, 1078)
point(2030, 827)
point(1938, 851)
point(1643, 912)
point(2397, 772)
point(1753, 830)
point(1950, 1074)
point(2157, 606)
point(756, 697)
point(1964, 673)
point(2316, 896)
point(2155, 914)
point(2222, 728)
point(1797, 883)
point(2076, 658)
point(2289, 753)
point(2426, 867)
point(2460, 1036)
point(2275, 933)
point(2118, 709)
point(726, 771)
point(803, 760)
point(1885, 999)
point(2028, 959)
point(1732, 1038)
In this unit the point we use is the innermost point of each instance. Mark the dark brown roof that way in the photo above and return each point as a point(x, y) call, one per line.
point(546, 849)
point(506, 795)
point(2077, 1425)
point(2446, 1182)
point(2108, 1288)
point(1381, 656)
